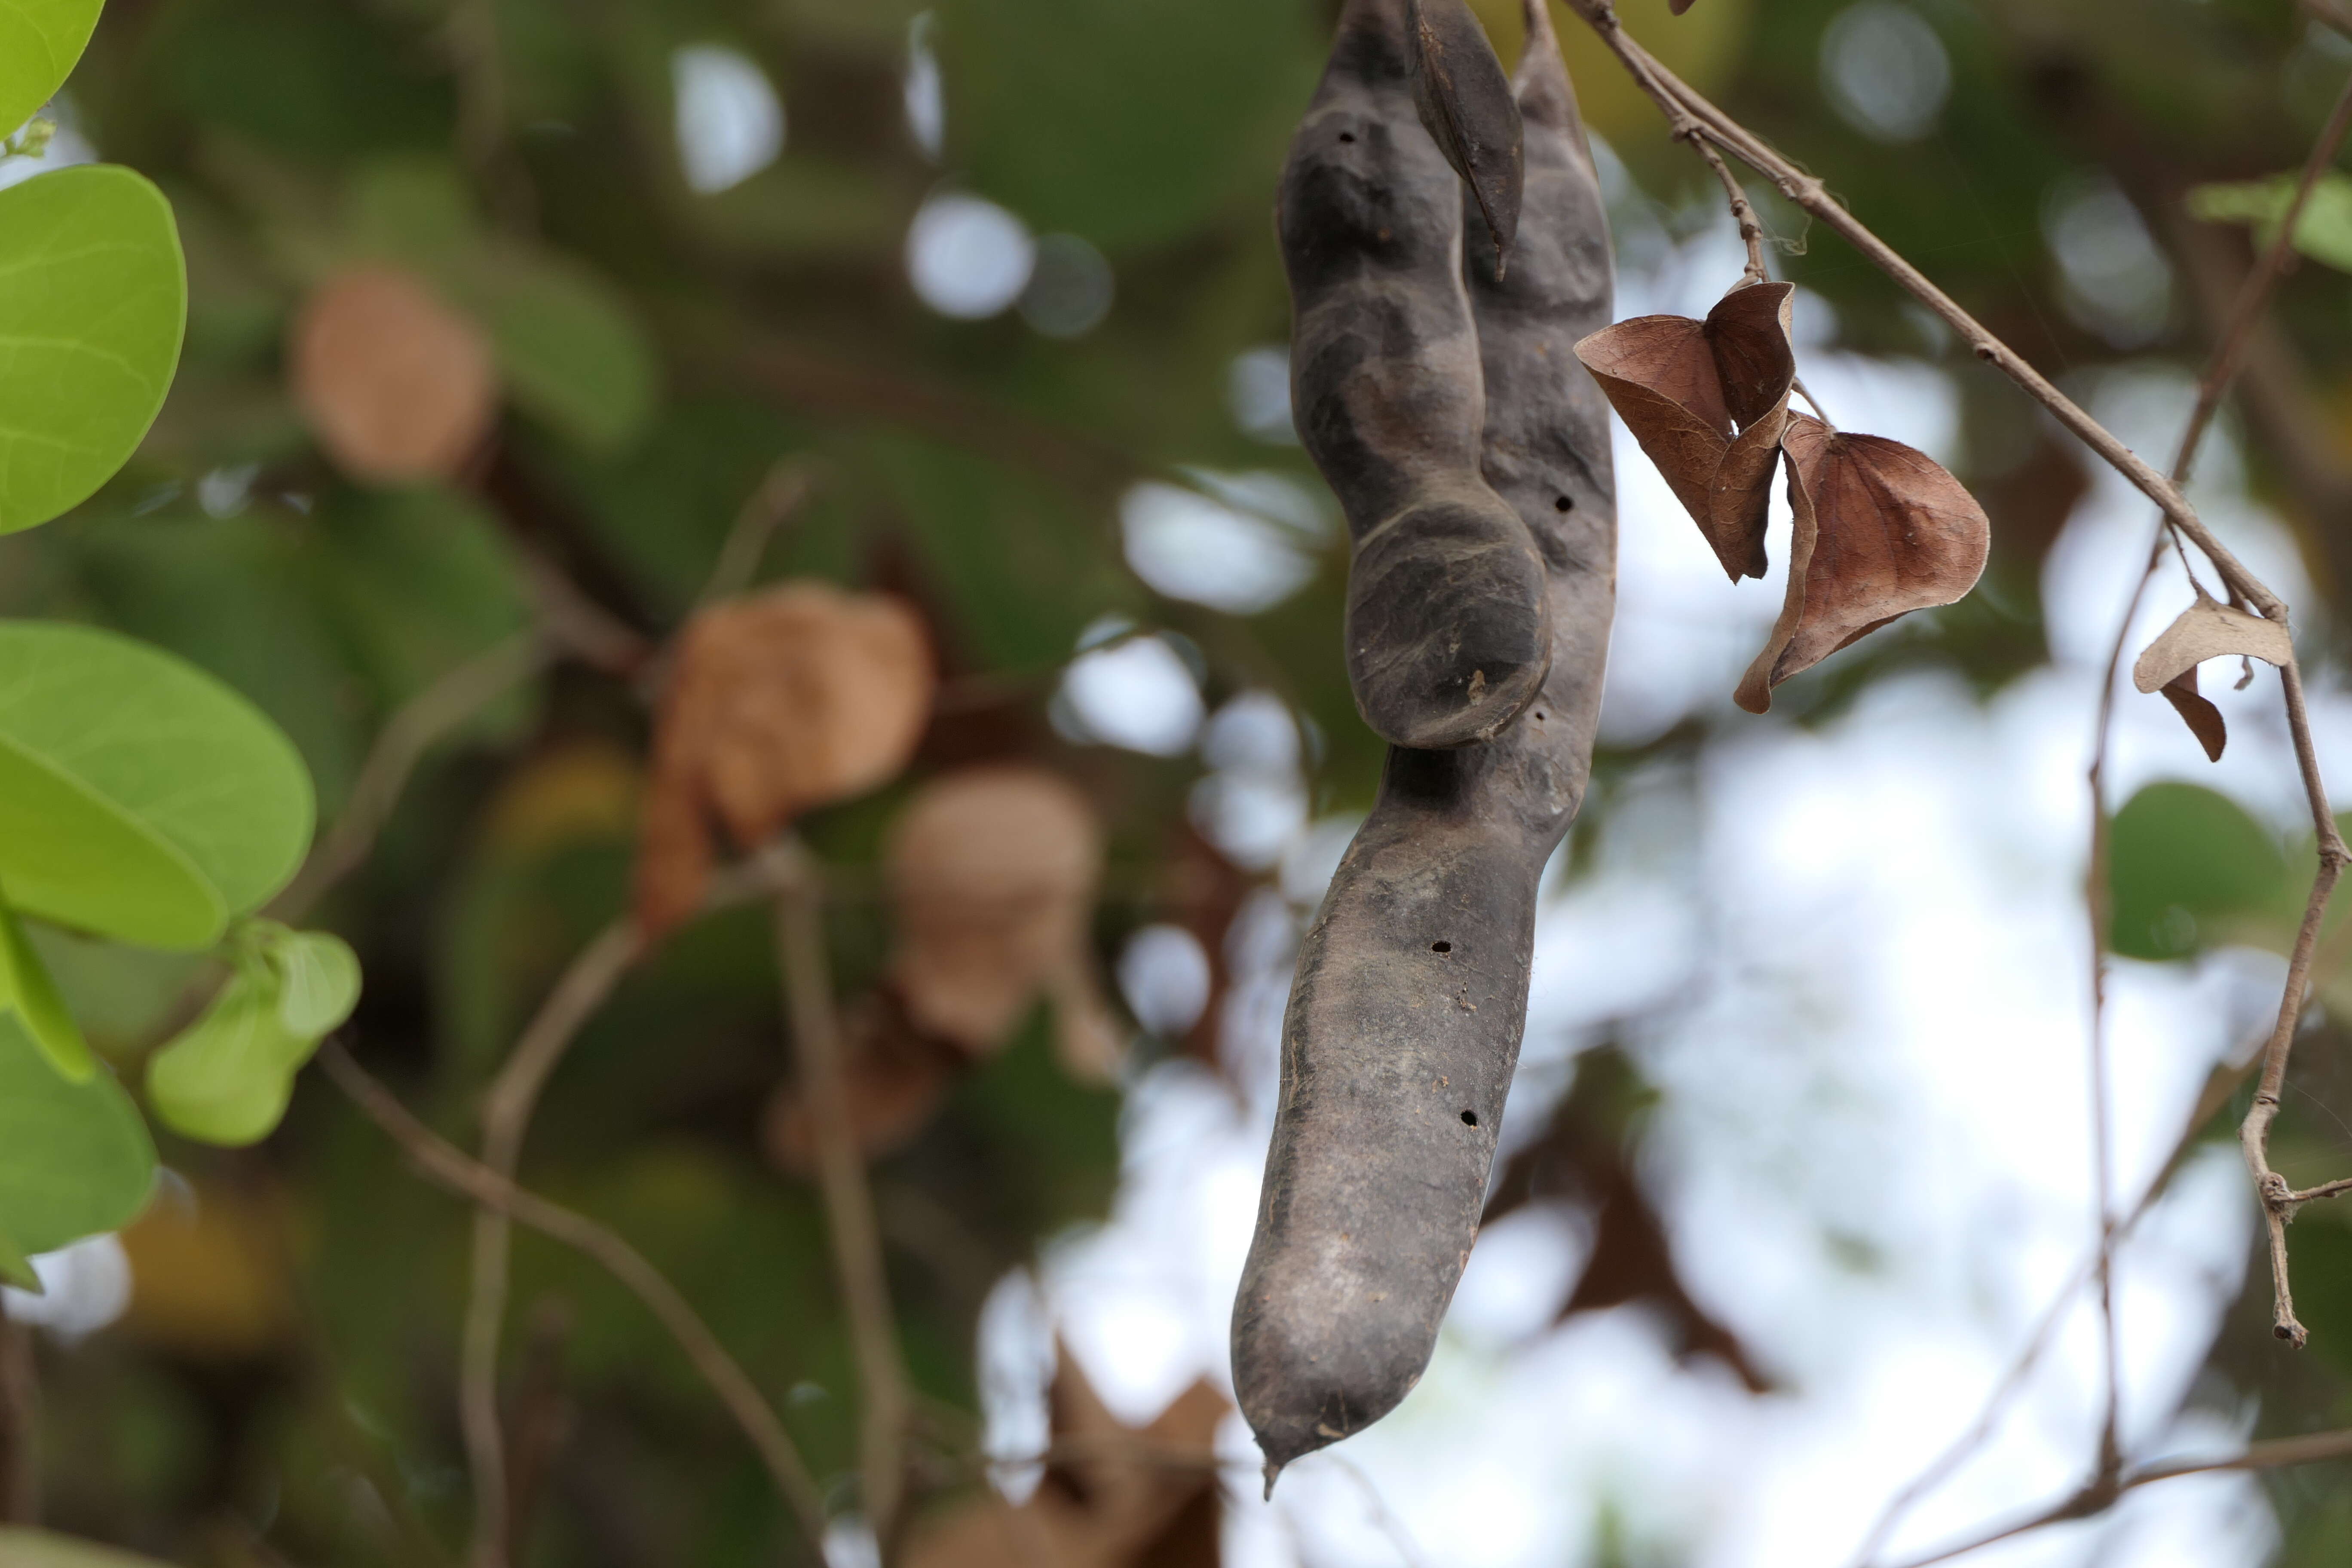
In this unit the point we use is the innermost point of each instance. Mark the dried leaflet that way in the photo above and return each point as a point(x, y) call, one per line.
point(1467, 105)
point(896, 1076)
point(1112, 1496)
point(1881, 530)
point(992, 873)
point(397, 385)
point(2207, 629)
point(777, 704)
point(1708, 402)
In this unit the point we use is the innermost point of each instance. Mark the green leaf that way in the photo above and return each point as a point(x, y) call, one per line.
point(16, 1268)
point(28, 994)
point(318, 978)
point(40, 1549)
point(75, 1159)
point(2325, 231)
point(40, 42)
point(573, 352)
point(93, 300)
point(419, 582)
point(139, 798)
point(227, 1077)
point(2183, 863)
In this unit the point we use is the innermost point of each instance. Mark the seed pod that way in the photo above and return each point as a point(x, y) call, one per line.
point(1404, 1023)
point(1448, 627)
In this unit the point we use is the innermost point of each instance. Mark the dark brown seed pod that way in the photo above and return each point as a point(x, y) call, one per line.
point(1448, 627)
point(1470, 110)
point(1404, 1023)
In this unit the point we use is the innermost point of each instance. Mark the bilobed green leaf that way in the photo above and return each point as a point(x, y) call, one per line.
point(40, 42)
point(93, 302)
point(319, 979)
point(226, 1078)
point(28, 994)
point(573, 353)
point(139, 798)
point(75, 1159)
point(40, 1549)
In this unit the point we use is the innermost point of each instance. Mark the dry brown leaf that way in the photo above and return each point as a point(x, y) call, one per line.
point(1113, 1497)
point(788, 699)
point(2204, 719)
point(993, 872)
point(1708, 401)
point(2209, 630)
point(397, 385)
point(1881, 530)
point(896, 1077)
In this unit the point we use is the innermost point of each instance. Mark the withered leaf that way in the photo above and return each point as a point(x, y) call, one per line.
point(1112, 1496)
point(1708, 401)
point(1466, 102)
point(993, 871)
point(2204, 719)
point(397, 386)
point(896, 1075)
point(777, 704)
point(2209, 630)
point(1881, 530)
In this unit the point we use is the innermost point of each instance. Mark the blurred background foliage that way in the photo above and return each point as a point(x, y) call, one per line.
point(673, 306)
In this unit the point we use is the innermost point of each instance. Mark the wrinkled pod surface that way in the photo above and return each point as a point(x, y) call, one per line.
point(1448, 619)
point(1404, 1023)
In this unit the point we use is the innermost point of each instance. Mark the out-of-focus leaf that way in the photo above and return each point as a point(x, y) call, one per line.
point(96, 301)
point(16, 1268)
point(40, 1549)
point(780, 703)
point(414, 210)
point(2323, 233)
point(40, 42)
point(139, 798)
point(571, 350)
point(1126, 123)
point(29, 996)
point(75, 1159)
point(2183, 863)
point(315, 80)
point(421, 580)
point(119, 994)
point(398, 387)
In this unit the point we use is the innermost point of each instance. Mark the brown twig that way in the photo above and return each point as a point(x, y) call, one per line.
point(783, 490)
point(445, 1164)
point(20, 1425)
point(506, 1108)
point(419, 725)
point(2273, 1455)
point(841, 1176)
point(1681, 107)
point(506, 1116)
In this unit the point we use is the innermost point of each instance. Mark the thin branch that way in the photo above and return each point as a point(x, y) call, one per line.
point(444, 1164)
point(841, 1173)
point(507, 1108)
point(2276, 1454)
point(506, 1116)
point(781, 492)
point(20, 1425)
point(421, 722)
point(1679, 101)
